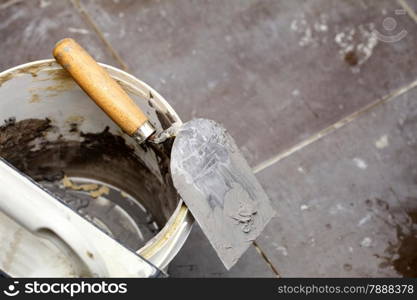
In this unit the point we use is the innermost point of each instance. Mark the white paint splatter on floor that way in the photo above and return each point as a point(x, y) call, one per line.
point(311, 33)
point(365, 219)
point(366, 242)
point(336, 209)
point(359, 42)
point(301, 170)
point(295, 93)
point(78, 30)
point(354, 42)
point(283, 250)
point(360, 163)
point(382, 142)
point(44, 3)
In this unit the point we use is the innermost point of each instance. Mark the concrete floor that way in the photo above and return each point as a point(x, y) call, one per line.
point(320, 96)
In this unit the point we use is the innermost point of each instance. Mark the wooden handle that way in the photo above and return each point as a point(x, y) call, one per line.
point(98, 84)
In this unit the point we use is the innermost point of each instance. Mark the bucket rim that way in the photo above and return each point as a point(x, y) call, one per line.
point(178, 227)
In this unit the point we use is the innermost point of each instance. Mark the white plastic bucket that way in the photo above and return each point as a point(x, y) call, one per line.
point(42, 89)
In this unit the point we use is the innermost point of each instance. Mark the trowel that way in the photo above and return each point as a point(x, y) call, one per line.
point(208, 170)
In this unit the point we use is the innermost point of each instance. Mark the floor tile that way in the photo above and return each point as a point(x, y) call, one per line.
point(274, 72)
point(30, 29)
point(412, 4)
point(347, 204)
point(198, 259)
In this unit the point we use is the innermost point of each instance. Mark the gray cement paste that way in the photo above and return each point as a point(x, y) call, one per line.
point(219, 187)
point(103, 157)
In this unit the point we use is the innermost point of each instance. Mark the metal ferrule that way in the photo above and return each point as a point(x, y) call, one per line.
point(143, 132)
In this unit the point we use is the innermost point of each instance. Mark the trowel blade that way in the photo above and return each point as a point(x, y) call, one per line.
point(219, 187)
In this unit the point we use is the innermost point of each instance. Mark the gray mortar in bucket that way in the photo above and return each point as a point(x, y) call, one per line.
point(99, 176)
point(53, 133)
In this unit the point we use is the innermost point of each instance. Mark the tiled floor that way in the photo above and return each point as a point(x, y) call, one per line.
point(280, 75)
point(351, 198)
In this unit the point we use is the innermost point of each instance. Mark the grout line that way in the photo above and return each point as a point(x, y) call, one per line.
point(346, 120)
point(266, 259)
point(78, 6)
point(409, 10)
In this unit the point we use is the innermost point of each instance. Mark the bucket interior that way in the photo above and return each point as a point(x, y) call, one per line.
point(55, 134)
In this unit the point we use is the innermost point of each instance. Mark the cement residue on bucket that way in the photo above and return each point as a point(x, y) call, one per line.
point(99, 176)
